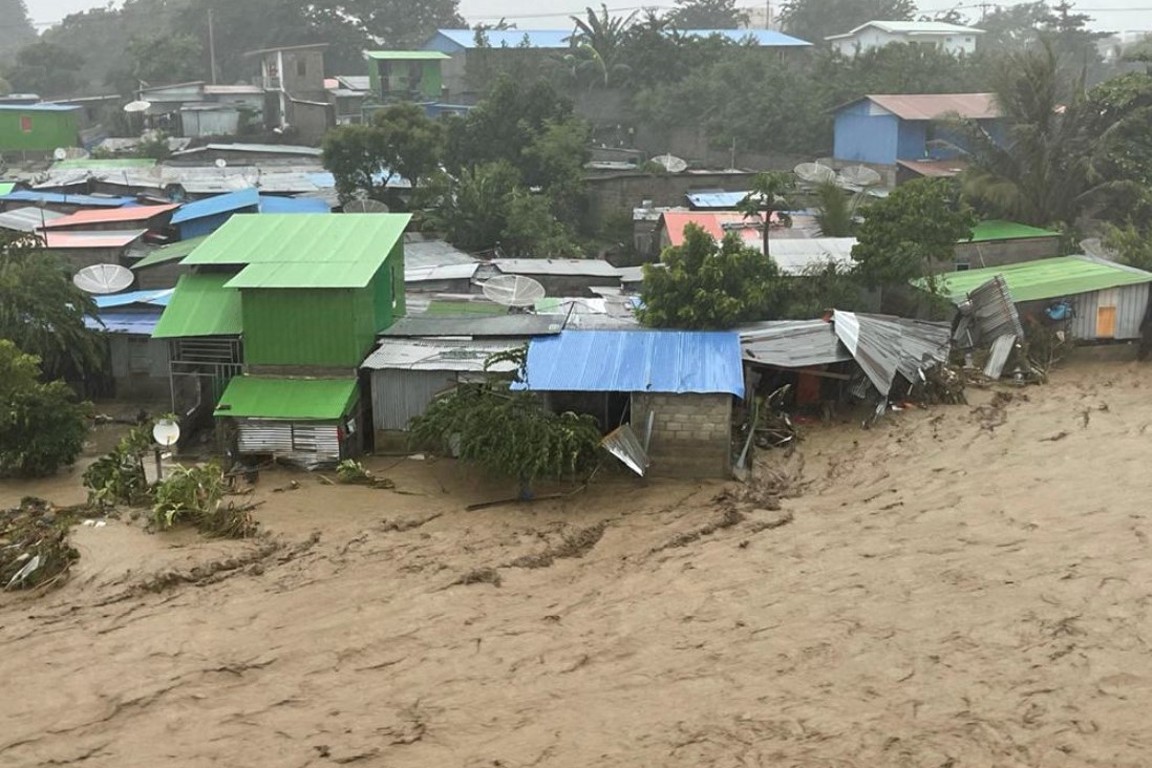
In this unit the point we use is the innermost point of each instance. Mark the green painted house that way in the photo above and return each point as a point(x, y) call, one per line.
point(308, 294)
point(38, 128)
point(405, 75)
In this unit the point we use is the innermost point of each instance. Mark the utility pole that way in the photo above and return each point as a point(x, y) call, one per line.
point(211, 46)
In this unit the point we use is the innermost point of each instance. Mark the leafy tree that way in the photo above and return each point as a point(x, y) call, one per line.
point(42, 427)
point(43, 312)
point(1010, 28)
point(602, 36)
point(915, 227)
point(393, 23)
point(1132, 244)
point(16, 30)
point(46, 69)
point(708, 285)
point(708, 14)
point(898, 68)
point(835, 211)
point(470, 207)
point(532, 230)
point(767, 197)
point(400, 141)
point(814, 20)
point(166, 59)
point(1119, 112)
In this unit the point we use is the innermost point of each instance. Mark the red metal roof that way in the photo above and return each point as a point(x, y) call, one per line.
point(715, 223)
point(112, 239)
point(131, 213)
point(932, 106)
point(934, 168)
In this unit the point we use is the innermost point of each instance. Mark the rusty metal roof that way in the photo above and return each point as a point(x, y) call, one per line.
point(933, 106)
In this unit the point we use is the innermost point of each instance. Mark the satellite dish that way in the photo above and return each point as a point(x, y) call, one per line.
point(858, 177)
point(137, 106)
point(1095, 248)
point(102, 279)
point(221, 163)
point(365, 205)
point(513, 290)
point(671, 163)
point(166, 432)
point(814, 173)
point(60, 153)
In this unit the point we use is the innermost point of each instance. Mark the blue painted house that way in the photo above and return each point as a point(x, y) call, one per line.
point(886, 129)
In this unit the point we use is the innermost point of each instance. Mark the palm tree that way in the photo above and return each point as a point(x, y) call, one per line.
point(835, 210)
point(603, 36)
point(766, 197)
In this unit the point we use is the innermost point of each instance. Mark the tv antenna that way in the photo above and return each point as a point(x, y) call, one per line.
point(513, 290)
point(102, 279)
point(671, 163)
point(365, 205)
point(857, 178)
point(814, 173)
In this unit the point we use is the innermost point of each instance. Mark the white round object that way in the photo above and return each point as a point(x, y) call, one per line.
point(166, 432)
point(365, 205)
point(814, 173)
point(671, 163)
point(513, 290)
point(60, 153)
point(103, 278)
point(137, 106)
point(221, 162)
point(859, 176)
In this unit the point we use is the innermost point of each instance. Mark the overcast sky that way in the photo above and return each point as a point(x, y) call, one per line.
point(1113, 15)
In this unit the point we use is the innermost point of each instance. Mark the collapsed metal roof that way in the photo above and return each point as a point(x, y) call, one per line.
point(885, 346)
point(792, 344)
point(439, 355)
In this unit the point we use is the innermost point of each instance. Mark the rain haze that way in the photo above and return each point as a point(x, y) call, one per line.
point(1111, 15)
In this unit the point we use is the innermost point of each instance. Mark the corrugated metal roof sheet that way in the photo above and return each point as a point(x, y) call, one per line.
point(42, 107)
point(796, 255)
point(265, 397)
point(912, 28)
point(636, 361)
point(792, 344)
point(277, 204)
point(935, 169)
point(567, 267)
point(150, 298)
point(27, 219)
point(109, 164)
point(933, 106)
point(173, 252)
point(439, 355)
point(1045, 278)
point(995, 229)
point(132, 323)
point(261, 149)
point(406, 55)
point(715, 223)
point(420, 252)
point(216, 205)
point(515, 326)
point(765, 38)
point(444, 272)
point(201, 306)
point(141, 213)
point(511, 38)
point(120, 238)
point(355, 82)
point(84, 201)
point(715, 199)
point(885, 346)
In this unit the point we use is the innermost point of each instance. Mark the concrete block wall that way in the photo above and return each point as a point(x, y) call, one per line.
point(691, 433)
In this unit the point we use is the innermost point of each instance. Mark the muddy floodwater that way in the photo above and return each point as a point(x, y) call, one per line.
point(961, 586)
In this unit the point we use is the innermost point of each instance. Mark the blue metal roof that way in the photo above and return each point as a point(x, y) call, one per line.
point(714, 199)
point(85, 201)
point(216, 205)
point(636, 361)
point(275, 204)
point(136, 323)
point(512, 38)
point(153, 298)
point(766, 38)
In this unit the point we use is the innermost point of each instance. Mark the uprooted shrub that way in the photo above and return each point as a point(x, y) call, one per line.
point(195, 495)
point(34, 547)
point(118, 477)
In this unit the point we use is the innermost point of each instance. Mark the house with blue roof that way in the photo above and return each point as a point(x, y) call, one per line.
point(135, 364)
point(203, 217)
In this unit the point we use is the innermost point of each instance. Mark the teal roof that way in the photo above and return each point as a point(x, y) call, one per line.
point(266, 397)
point(996, 229)
point(1045, 278)
point(303, 250)
point(201, 305)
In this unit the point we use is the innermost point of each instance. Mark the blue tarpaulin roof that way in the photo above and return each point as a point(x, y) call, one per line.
point(136, 323)
point(157, 298)
point(216, 205)
point(636, 361)
point(85, 201)
point(275, 204)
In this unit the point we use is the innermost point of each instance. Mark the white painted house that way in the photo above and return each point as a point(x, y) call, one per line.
point(952, 38)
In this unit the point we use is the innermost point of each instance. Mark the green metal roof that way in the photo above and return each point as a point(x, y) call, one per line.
point(109, 164)
point(1045, 278)
point(6, 187)
point(995, 229)
point(201, 305)
point(170, 252)
point(303, 250)
point(406, 55)
point(263, 397)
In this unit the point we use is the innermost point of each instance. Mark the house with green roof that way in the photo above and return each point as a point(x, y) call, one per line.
point(1108, 301)
point(405, 75)
point(290, 300)
point(995, 242)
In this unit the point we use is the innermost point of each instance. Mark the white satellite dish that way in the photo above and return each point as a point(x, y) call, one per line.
point(513, 290)
point(814, 173)
point(102, 279)
point(365, 205)
point(671, 163)
point(221, 163)
point(858, 177)
point(166, 432)
point(137, 106)
point(60, 153)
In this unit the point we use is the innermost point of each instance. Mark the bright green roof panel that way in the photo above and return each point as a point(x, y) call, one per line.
point(109, 164)
point(351, 246)
point(1046, 278)
point(170, 252)
point(6, 187)
point(262, 397)
point(201, 306)
point(995, 229)
point(407, 55)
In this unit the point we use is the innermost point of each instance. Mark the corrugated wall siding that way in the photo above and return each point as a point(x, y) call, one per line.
point(309, 441)
point(1131, 302)
point(400, 395)
point(328, 327)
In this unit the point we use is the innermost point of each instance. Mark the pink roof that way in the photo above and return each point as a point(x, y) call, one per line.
point(715, 223)
point(131, 213)
point(112, 239)
point(932, 106)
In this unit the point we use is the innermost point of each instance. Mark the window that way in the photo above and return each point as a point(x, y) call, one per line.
point(301, 68)
point(25, 123)
point(962, 264)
